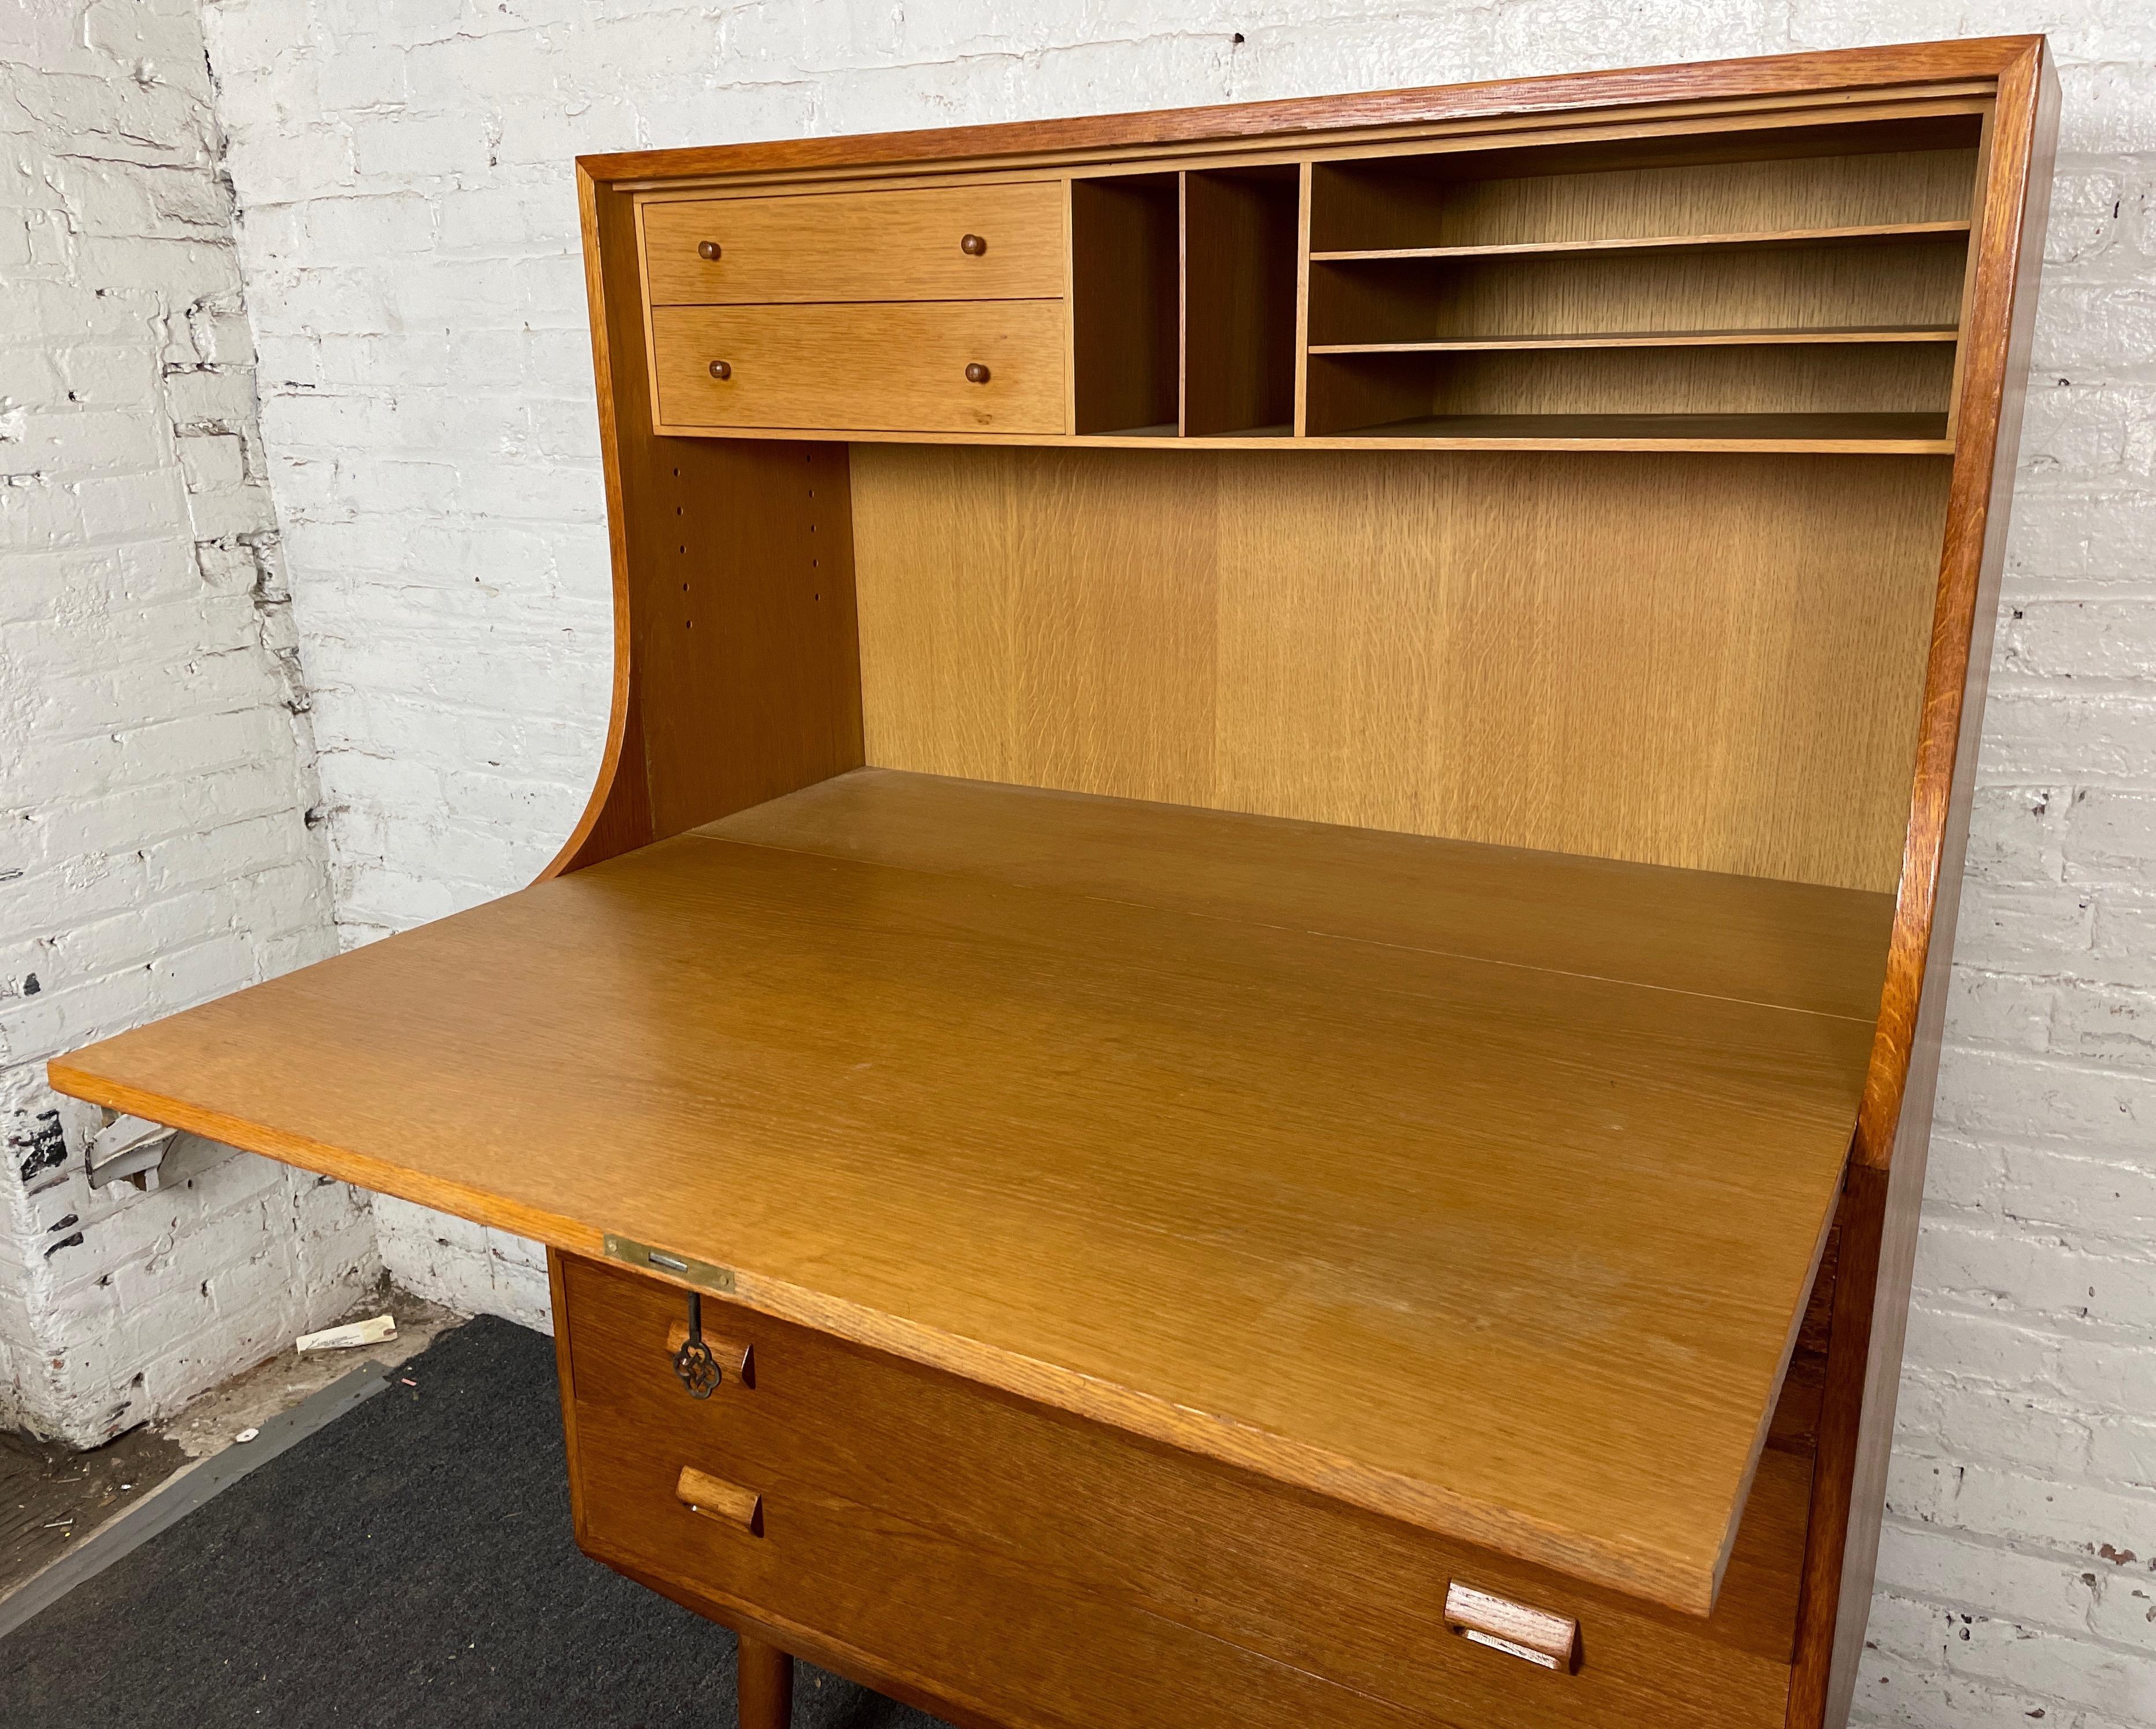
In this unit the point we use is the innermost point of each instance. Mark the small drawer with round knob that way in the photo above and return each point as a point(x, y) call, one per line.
point(1002, 240)
point(921, 366)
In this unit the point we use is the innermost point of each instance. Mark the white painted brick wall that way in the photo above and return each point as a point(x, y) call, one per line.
point(156, 765)
point(408, 242)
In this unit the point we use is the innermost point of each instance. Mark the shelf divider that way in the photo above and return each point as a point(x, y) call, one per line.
point(1658, 243)
point(1653, 339)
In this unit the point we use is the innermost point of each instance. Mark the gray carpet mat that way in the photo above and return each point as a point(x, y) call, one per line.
point(408, 1566)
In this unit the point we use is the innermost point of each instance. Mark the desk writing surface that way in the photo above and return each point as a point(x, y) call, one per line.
point(1269, 1149)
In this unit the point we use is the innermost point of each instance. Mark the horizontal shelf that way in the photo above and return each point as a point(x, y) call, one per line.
point(1659, 433)
point(1923, 434)
point(1166, 430)
point(1651, 339)
point(1659, 243)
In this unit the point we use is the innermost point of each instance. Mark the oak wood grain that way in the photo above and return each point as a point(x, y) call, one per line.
point(859, 246)
point(1661, 339)
point(901, 364)
point(1307, 1185)
point(1519, 199)
point(1560, 383)
point(763, 1677)
point(1124, 330)
point(1840, 434)
point(1745, 242)
point(1549, 1641)
point(733, 595)
point(1710, 662)
point(1917, 281)
point(734, 1357)
point(716, 1498)
point(1239, 298)
point(1788, 945)
point(997, 1513)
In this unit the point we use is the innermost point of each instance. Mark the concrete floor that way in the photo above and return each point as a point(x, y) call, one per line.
point(52, 1499)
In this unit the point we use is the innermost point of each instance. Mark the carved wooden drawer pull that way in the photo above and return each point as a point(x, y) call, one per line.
point(716, 1498)
point(732, 1356)
point(1550, 1641)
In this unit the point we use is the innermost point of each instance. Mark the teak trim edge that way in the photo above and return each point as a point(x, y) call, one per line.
point(1854, 72)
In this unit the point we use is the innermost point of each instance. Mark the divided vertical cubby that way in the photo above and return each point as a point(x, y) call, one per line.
point(1124, 241)
point(1806, 281)
point(1241, 241)
point(1184, 290)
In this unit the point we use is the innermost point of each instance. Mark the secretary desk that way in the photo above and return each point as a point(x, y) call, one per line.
point(1244, 1025)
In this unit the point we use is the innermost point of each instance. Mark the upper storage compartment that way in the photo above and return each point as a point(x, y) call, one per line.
point(931, 311)
point(1884, 179)
point(989, 242)
point(1125, 328)
point(1805, 280)
point(1735, 286)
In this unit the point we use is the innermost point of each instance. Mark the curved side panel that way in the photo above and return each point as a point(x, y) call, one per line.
point(736, 662)
point(595, 834)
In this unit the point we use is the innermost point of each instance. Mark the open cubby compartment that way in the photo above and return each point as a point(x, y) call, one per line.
point(1125, 235)
point(1890, 392)
point(1908, 290)
point(1881, 175)
point(1241, 235)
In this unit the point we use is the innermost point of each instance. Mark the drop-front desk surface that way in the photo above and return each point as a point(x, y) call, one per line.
point(1036, 1239)
point(1479, 1188)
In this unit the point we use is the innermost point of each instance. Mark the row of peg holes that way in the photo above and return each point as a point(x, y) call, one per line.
point(814, 563)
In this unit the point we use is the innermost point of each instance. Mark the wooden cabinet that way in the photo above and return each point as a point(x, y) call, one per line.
point(1788, 286)
point(1267, 915)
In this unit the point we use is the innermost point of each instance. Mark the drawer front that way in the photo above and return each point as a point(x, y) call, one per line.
point(902, 368)
point(1044, 1570)
point(943, 243)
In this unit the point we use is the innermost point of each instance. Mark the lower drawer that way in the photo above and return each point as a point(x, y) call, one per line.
point(927, 366)
point(1031, 1569)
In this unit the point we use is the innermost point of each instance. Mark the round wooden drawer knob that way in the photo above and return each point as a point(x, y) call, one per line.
point(708, 248)
point(976, 373)
point(720, 369)
point(972, 245)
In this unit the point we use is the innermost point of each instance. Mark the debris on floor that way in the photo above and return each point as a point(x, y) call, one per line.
point(379, 1330)
point(51, 1497)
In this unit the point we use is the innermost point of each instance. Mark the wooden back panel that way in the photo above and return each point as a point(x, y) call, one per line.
point(1708, 662)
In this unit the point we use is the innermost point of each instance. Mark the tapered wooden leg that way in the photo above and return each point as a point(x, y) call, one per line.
point(763, 1676)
